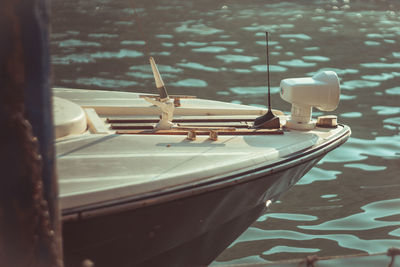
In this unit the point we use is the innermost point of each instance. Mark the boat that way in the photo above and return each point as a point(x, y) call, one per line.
point(136, 189)
point(162, 180)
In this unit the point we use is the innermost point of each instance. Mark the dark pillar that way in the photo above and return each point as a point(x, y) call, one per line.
point(30, 232)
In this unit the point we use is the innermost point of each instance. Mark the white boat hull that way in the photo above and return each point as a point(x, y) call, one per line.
point(187, 227)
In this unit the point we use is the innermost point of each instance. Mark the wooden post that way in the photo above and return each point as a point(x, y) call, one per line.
point(30, 229)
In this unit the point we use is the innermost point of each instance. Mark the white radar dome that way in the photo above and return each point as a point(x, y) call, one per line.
point(321, 91)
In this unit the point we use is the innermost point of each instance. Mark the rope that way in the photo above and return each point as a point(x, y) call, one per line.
point(392, 252)
point(309, 260)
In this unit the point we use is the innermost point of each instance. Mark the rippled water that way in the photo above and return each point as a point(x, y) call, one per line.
point(350, 202)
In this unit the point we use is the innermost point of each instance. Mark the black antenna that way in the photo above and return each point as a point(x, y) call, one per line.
point(269, 89)
point(268, 120)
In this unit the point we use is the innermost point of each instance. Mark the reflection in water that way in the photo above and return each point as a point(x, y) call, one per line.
point(280, 249)
point(318, 174)
point(349, 202)
point(344, 240)
point(287, 216)
point(366, 220)
point(393, 91)
point(365, 167)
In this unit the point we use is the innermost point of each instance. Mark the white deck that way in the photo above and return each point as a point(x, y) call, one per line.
point(95, 168)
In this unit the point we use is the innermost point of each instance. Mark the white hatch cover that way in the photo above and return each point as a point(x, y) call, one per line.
point(69, 118)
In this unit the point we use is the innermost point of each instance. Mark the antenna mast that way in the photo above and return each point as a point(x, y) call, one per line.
point(268, 120)
point(269, 89)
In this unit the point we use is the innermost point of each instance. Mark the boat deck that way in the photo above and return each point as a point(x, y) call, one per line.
point(121, 154)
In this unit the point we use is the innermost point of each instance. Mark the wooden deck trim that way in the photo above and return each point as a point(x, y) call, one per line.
point(183, 119)
point(205, 132)
point(145, 126)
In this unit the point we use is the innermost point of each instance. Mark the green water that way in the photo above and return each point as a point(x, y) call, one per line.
point(350, 202)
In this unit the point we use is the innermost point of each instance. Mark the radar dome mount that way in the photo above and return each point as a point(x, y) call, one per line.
point(321, 91)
